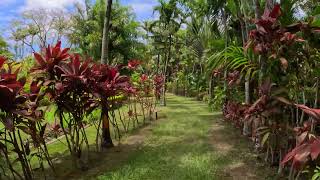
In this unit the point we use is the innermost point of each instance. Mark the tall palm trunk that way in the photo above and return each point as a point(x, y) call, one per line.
point(224, 19)
point(105, 38)
point(106, 135)
point(243, 25)
point(166, 72)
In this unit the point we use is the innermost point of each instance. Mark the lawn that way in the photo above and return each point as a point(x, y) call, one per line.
point(187, 142)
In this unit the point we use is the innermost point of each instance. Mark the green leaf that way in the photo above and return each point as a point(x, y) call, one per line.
point(316, 21)
point(316, 11)
point(265, 138)
point(316, 176)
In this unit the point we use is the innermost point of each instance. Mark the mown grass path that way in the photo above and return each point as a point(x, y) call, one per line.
point(189, 143)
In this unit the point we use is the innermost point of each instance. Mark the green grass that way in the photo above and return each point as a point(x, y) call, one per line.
point(59, 151)
point(187, 142)
point(180, 148)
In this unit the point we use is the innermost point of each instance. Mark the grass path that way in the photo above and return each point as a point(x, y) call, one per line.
point(189, 143)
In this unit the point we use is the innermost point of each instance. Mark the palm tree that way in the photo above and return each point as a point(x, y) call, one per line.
point(106, 135)
point(169, 22)
point(106, 29)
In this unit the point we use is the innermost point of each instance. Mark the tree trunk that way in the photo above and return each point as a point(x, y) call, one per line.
point(165, 73)
point(242, 23)
point(224, 14)
point(106, 141)
point(245, 32)
point(105, 38)
point(158, 63)
point(269, 5)
point(211, 87)
point(257, 10)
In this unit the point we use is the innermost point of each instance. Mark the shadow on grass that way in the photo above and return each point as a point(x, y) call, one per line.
point(190, 144)
point(183, 159)
point(108, 159)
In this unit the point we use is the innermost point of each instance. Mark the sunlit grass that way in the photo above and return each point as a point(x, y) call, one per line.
point(179, 147)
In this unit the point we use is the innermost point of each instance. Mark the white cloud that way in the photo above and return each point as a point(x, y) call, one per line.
point(49, 4)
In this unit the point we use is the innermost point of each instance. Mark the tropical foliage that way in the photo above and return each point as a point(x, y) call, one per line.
point(256, 61)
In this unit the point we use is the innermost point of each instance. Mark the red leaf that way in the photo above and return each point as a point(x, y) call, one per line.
point(64, 51)
point(39, 59)
point(315, 149)
point(315, 113)
point(64, 57)
point(58, 45)
point(302, 137)
point(276, 12)
point(293, 153)
point(59, 86)
point(85, 66)
point(48, 52)
point(34, 88)
point(55, 52)
point(301, 158)
point(113, 73)
point(76, 64)
point(2, 60)
point(132, 64)
point(143, 77)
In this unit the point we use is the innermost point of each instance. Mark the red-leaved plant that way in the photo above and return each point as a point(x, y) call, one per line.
point(64, 78)
point(106, 82)
point(307, 147)
point(19, 114)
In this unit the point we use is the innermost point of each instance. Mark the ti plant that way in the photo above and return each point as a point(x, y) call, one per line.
point(106, 83)
point(288, 65)
point(20, 116)
point(64, 79)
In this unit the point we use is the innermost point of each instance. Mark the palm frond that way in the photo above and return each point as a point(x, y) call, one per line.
point(233, 58)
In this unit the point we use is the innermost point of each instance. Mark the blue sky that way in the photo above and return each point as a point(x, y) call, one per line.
point(142, 8)
point(10, 9)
